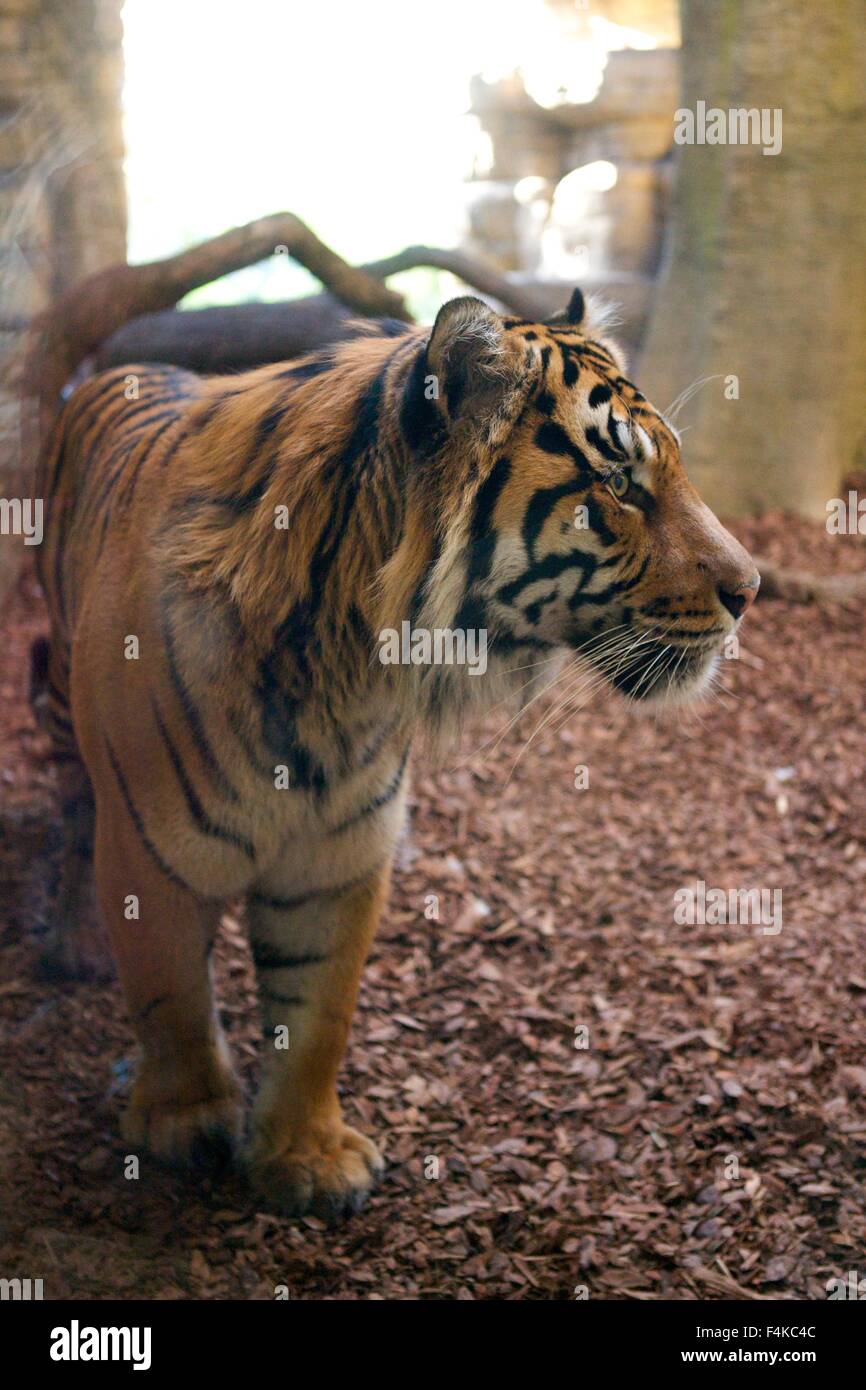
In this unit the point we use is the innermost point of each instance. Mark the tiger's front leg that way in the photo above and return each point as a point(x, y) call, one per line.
point(309, 953)
point(185, 1106)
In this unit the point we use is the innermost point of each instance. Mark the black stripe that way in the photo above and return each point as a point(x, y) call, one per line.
point(344, 468)
point(549, 568)
point(620, 586)
point(266, 426)
point(145, 454)
point(297, 633)
point(313, 366)
point(60, 710)
point(541, 505)
point(129, 410)
point(627, 584)
point(59, 554)
point(203, 821)
point(52, 689)
point(241, 502)
point(504, 642)
point(139, 825)
point(553, 439)
point(393, 328)
point(149, 1008)
point(532, 612)
point(597, 523)
point(613, 428)
point(61, 721)
point(289, 999)
point(193, 718)
point(86, 412)
point(266, 956)
point(279, 708)
point(630, 386)
point(290, 904)
point(472, 613)
point(482, 536)
point(570, 368)
point(59, 455)
point(129, 441)
point(598, 441)
point(420, 419)
point(237, 727)
point(384, 733)
point(595, 353)
point(378, 802)
point(364, 435)
point(422, 588)
point(104, 498)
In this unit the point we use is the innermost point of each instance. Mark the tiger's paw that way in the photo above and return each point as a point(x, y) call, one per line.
point(203, 1135)
point(329, 1175)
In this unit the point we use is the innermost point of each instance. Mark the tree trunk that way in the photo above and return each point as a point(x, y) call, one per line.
point(764, 271)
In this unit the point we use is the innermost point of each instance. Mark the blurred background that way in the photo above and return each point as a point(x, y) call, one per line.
point(492, 126)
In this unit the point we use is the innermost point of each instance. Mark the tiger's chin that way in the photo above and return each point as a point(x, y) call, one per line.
point(680, 684)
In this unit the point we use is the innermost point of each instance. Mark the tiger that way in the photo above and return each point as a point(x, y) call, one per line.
point(222, 556)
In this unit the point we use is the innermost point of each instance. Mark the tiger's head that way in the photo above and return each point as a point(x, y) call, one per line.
point(575, 526)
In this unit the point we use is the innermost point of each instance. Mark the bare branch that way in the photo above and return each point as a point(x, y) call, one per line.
point(472, 271)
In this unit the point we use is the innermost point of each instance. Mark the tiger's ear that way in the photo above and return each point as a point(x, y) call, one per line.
point(468, 356)
point(575, 313)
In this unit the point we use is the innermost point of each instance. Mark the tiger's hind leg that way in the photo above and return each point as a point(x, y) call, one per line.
point(75, 944)
point(309, 954)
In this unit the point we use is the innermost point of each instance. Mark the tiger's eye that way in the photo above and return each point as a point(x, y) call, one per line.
point(618, 484)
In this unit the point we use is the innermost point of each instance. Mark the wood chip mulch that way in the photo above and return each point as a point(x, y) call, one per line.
point(708, 1142)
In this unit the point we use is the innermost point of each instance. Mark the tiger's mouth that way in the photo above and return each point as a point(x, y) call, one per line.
point(652, 671)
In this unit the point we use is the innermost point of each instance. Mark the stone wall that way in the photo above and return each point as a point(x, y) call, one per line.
point(62, 193)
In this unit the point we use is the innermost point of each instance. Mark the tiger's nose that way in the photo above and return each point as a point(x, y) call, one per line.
point(738, 600)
